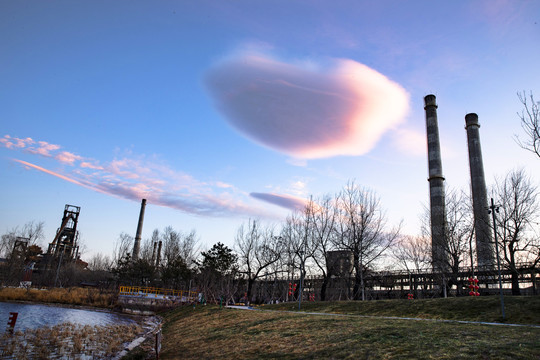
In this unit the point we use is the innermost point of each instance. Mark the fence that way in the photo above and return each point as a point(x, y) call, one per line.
point(158, 293)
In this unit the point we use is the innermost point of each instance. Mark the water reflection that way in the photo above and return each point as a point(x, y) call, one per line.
point(33, 316)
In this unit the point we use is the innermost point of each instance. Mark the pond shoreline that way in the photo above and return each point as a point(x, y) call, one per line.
point(147, 325)
point(70, 306)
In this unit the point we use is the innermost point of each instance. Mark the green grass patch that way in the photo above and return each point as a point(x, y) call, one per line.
point(518, 309)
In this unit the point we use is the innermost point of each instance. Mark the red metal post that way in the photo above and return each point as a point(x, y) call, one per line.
point(12, 320)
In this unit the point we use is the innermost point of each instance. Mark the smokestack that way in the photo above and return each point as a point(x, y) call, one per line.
point(154, 253)
point(484, 247)
point(137, 244)
point(436, 187)
point(158, 259)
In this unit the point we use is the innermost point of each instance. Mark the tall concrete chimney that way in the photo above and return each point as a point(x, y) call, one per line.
point(484, 247)
point(137, 243)
point(158, 259)
point(154, 253)
point(436, 187)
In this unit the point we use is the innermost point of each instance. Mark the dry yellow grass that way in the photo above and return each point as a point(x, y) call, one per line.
point(67, 341)
point(73, 296)
point(213, 333)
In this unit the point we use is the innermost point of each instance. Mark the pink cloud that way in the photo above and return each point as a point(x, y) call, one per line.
point(67, 157)
point(89, 165)
point(13, 142)
point(305, 112)
point(43, 148)
point(63, 177)
point(134, 178)
point(285, 201)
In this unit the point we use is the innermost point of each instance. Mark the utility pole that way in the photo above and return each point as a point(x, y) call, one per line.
point(302, 267)
point(492, 209)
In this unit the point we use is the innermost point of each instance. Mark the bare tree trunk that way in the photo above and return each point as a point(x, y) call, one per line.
point(324, 285)
point(515, 283)
point(250, 288)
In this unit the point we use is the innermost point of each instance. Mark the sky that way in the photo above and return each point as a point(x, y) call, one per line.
point(217, 112)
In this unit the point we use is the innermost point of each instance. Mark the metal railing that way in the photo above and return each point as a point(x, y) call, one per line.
point(157, 292)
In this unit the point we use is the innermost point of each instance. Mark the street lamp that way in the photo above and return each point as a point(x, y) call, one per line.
point(492, 209)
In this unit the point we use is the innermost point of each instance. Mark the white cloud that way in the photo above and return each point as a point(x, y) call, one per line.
point(410, 141)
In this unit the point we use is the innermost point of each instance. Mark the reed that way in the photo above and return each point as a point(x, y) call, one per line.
point(72, 296)
point(68, 340)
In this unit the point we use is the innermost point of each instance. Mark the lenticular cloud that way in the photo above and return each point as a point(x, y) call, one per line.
point(307, 113)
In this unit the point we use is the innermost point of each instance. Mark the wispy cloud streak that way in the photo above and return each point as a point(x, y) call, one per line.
point(137, 177)
point(63, 177)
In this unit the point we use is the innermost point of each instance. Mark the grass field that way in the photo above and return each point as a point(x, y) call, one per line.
point(518, 309)
point(208, 332)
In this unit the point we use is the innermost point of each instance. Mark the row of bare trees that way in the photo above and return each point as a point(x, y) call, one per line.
point(354, 222)
point(351, 222)
point(518, 230)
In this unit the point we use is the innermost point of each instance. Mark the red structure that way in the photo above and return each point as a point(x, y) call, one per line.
point(292, 289)
point(12, 320)
point(473, 287)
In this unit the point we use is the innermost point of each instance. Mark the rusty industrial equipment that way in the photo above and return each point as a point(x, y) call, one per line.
point(19, 249)
point(64, 246)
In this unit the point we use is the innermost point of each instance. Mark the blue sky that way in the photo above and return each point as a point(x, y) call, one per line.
point(217, 112)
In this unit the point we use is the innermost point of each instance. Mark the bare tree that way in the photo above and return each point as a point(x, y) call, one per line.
point(20, 246)
point(298, 234)
point(413, 253)
point(179, 245)
point(171, 244)
point(459, 228)
point(189, 247)
point(122, 247)
point(530, 117)
point(324, 217)
point(258, 249)
point(178, 256)
point(362, 229)
point(518, 218)
point(32, 232)
point(99, 262)
point(147, 247)
point(459, 232)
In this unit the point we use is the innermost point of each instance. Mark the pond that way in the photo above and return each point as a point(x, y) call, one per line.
point(32, 316)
